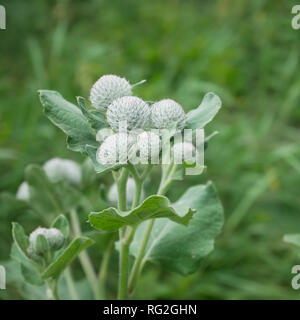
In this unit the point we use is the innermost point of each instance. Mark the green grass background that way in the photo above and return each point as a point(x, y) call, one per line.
point(245, 51)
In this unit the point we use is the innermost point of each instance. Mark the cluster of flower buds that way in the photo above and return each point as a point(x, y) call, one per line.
point(42, 241)
point(131, 120)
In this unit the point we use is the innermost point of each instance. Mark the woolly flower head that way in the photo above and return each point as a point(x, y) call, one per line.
point(165, 112)
point(23, 192)
point(54, 237)
point(58, 169)
point(115, 148)
point(107, 89)
point(132, 111)
point(184, 151)
point(148, 144)
point(130, 192)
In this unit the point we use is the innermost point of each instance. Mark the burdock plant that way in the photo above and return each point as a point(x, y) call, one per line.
point(130, 138)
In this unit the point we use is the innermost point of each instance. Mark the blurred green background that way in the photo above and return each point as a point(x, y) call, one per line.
point(245, 51)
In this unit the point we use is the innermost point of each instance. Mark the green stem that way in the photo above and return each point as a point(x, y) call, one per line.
point(138, 192)
point(166, 181)
point(84, 259)
point(124, 248)
point(139, 182)
point(135, 273)
point(124, 258)
point(104, 267)
point(71, 285)
point(121, 184)
point(52, 285)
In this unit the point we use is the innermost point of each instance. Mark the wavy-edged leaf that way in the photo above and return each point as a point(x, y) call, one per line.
point(153, 207)
point(66, 257)
point(293, 238)
point(180, 249)
point(69, 119)
point(209, 107)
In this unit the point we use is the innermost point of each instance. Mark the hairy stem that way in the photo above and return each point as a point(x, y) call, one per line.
point(135, 273)
point(121, 184)
point(166, 180)
point(52, 286)
point(124, 258)
point(124, 248)
point(139, 182)
point(104, 268)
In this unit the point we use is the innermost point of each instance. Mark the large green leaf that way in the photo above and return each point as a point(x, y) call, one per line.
point(69, 119)
point(292, 239)
point(178, 248)
point(66, 257)
point(209, 107)
point(153, 207)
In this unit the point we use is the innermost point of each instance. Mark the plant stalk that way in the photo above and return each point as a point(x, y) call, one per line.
point(104, 268)
point(135, 273)
point(166, 181)
point(84, 259)
point(124, 259)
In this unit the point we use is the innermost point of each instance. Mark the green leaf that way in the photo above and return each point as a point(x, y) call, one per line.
point(95, 118)
point(180, 249)
point(69, 119)
point(209, 107)
point(21, 240)
point(153, 207)
point(28, 269)
point(66, 257)
point(61, 223)
point(292, 239)
point(31, 275)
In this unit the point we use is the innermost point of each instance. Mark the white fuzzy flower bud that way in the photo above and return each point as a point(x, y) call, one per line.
point(58, 169)
point(115, 149)
point(107, 89)
point(132, 111)
point(23, 192)
point(54, 237)
point(184, 152)
point(130, 192)
point(149, 146)
point(166, 112)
